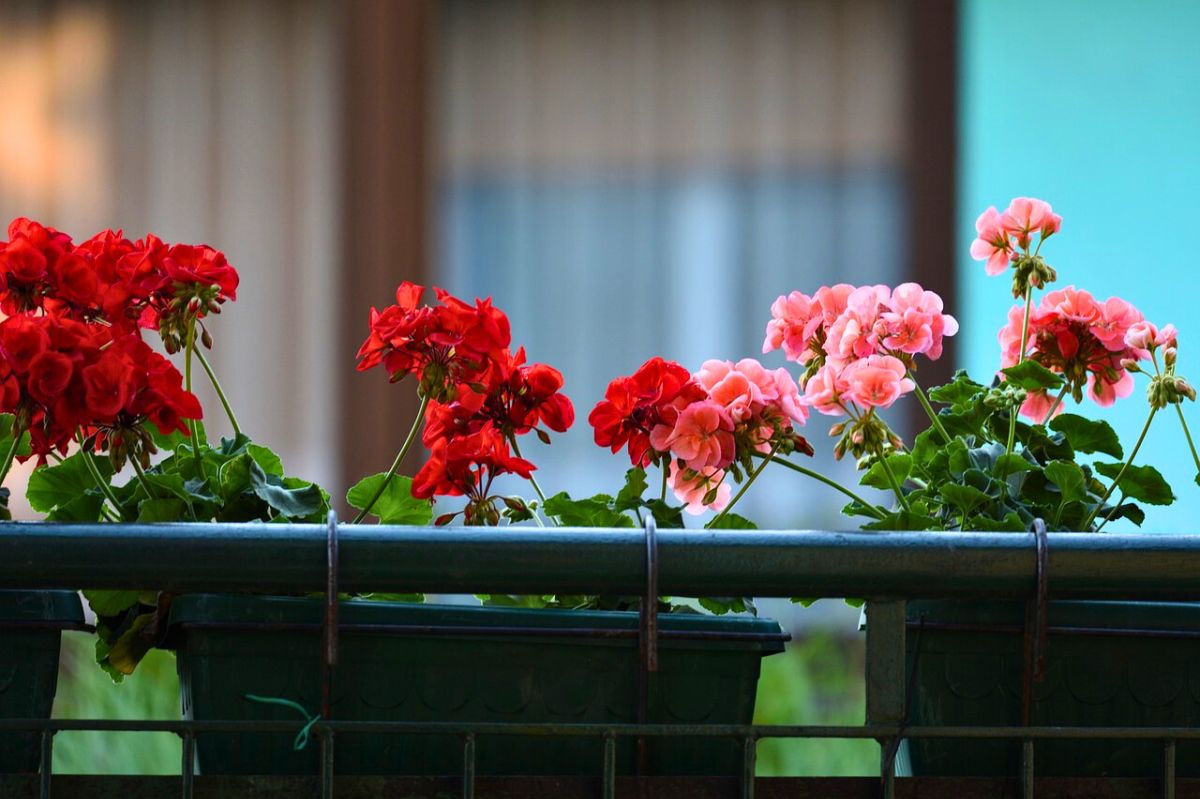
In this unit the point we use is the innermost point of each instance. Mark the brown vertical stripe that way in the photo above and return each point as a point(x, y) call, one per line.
point(385, 229)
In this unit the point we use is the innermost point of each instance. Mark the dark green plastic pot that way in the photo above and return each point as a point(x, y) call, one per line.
point(1109, 664)
point(31, 623)
point(526, 674)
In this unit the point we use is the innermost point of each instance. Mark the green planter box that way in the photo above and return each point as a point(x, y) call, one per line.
point(31, 623)
point(526, 673)
point(1107, 664)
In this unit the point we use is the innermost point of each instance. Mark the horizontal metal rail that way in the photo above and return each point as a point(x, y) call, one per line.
point(292, 558)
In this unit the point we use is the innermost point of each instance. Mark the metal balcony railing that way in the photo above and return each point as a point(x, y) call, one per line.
point(885, 568)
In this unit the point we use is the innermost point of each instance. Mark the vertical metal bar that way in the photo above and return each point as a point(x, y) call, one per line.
point(187, 764)
point(330, 654)
point(468, 790)
point(1168, 790)
point(610, 766)
point(47, 767)
point(647, 636)
point(327, 764)
point(887, 771)
point(885, 662)
point(749, 760)
point(1027, 769)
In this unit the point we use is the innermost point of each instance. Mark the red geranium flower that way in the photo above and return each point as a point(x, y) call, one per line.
point(466, 465)
point(634, 405)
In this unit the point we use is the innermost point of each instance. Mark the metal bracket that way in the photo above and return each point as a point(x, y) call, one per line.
point(1034, 669)
point(647, 634)
point(329, 653)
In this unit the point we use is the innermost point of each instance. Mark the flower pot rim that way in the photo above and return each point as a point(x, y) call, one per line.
point(48, 606)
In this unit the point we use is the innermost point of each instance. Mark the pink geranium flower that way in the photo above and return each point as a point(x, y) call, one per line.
point(691, 486)
point(877, 381)
point(702, 436)
point(853, 334)
point(914, 323)
point(1026, 216)
point(825, 389)
point(992, 242)
point(798, 321)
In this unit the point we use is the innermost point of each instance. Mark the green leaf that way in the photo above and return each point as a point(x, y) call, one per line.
point(1069, 479)
point(630, 495)
point(732, 521)
point(804, 601)
point(1012, 463)
point(1088, 435)
point(959, 394)
point(964, 497)
point(594, 511)
point(171, 509)
point(1143, 483)
point(265, 458)
point(84, 508)
point(289, 502)
point(396, 505)
point(666, 516)
point(1032, 376)
point(52, 486)
point(6, 437)
point(720, 605)
point(127, 651)
point(876, 477)
point(904, 520)
point(1011, 523)
point(110, 603)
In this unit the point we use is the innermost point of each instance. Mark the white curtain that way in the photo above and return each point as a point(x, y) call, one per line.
point(207, 122)
point(637, 178)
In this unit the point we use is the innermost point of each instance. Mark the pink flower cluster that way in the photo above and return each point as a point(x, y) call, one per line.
point(730, 409)
point(1001, 235)
point(858, 343)
point(1088, 342)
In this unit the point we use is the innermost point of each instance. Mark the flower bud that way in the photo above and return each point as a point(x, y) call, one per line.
point(1130, 365)
point(1185, 388)
point(1169, 356)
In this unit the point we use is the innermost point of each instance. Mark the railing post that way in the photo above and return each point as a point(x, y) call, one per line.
point(886, 695)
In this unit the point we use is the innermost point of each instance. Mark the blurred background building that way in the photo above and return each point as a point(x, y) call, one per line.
point(625, 177)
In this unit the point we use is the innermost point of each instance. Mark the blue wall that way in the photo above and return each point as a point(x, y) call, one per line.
point(1094, 106)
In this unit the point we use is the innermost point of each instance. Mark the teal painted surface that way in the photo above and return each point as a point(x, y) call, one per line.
point(1093, 105)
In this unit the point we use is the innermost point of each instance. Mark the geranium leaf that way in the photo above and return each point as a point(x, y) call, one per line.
point(1032, 376)
point(54, 486)
point(268, 460)
point(596, 511)
point(396, 505)
point(1088, 435)
point(110, 603)
point(289, 502)
point(630, 495)
point(1069, 479)
point(900, 464)
point(732, 521)
point(1142, 483)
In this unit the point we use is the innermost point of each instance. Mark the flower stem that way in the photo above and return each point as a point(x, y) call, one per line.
point(1124, 468)
point(193, 426)
point(924, 400)
point(8, 457)
point(1012, 418)
point(746, 485)
point(216, 384)
point(408, 442)
point(1188, 434)
point(891, 476)
point(1057, 401)
point(666, 466)
point(533, 482)
point(874, 510)
point(141, 476)
point(101, 483)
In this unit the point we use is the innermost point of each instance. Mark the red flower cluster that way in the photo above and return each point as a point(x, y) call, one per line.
point(71, 354)
point(480, 395)
point(146, 283)
point(443, 345)
point(58, 376)
point(635, 404)
point(466, 465)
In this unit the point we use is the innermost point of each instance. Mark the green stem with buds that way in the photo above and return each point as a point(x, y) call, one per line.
point(101, 483)
point(1124, 468)
point(216, 384)
point(533, 482)
point(924, 400)
point(408, 442)
point(746, 485)
point(1188, 435)
point(874, 510)
point(193, 425)
point(1012, 418)
point(1057, 402)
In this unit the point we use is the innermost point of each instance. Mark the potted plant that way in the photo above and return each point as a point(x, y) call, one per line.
point(91, 399)
point(980, 467)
